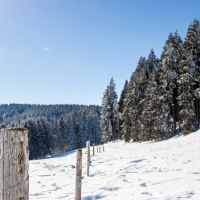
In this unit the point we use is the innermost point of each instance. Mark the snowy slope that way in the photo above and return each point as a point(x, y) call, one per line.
point(165, 170)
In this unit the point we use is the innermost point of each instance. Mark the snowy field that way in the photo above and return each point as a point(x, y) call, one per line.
point(168, 170)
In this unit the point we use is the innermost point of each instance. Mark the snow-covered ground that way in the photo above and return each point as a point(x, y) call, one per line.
point(168, 170)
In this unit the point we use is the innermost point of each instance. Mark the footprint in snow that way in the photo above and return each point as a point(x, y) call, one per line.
point(43, 175)
point(138, 161)
point(146, 193)
point(195, 172)
point(187, 195)
point(188, 161)
point(143, 185)
point(93, 197)
point(110, 188)
point(179, 169)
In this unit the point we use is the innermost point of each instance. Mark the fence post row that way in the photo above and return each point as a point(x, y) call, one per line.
point(14, 164)
point(78, 175)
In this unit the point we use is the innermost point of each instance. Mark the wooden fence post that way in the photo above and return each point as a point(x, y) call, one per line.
point(89, 153)
point(88, 158)
point(97, 149)
point(14, 164)
point(93, 149)
point(78, 175)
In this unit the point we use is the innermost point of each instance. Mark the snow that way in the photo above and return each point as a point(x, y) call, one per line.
point(167, 170)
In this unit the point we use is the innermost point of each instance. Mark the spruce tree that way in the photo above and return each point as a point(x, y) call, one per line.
point(151, 103)
point(43, 137)
point(122, 97)
point(121, 106)
point(132, 121)
point(192, 50)
point(167, 77)
point(126, 115)
point(186, 94)
point(152, 62)
point(109, 114)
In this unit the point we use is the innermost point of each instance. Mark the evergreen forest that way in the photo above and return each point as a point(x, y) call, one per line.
point(162, 97)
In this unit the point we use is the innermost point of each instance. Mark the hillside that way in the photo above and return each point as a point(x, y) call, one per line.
point(167, 170)
point(53, 128)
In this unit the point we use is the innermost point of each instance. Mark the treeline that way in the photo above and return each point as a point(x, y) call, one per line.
point(162, 97)
point(54, 128)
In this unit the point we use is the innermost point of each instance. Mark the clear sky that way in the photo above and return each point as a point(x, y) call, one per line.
point(66, 51)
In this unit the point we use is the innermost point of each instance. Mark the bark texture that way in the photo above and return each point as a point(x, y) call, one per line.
point(14, 164)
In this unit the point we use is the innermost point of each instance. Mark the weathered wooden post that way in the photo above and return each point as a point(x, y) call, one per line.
point(93, 148)
point(78, 175)
point(14, 164)
point(88, 158)
point(99, 148)
point(89, 153)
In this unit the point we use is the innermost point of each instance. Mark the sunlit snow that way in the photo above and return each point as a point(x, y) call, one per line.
point(167, 170)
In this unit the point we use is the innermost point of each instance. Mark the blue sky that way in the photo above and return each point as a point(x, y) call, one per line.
point(66, 51)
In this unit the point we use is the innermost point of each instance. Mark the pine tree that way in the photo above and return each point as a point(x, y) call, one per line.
point(167, 77)
point(132, 122)
point(43, 137)
point(70, 129)
point(93, 127)
point(109, 114)
point(55, 137)
point(152, 62)
point(122, 97)
point(126, 115)
point(121, 107)
point(151, 119)
point(186, 94)
point(192, 50)
point(63, 134)
point(151, 103)
point(33, 137)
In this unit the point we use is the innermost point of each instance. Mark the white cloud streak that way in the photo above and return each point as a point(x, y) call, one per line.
point(47, 49)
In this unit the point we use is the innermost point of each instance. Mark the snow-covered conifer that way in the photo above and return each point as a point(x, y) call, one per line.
point(151, 103)
point(121, 107)
point(167, 77)
point(109, 114)
point(186, 94)
point(192, 50)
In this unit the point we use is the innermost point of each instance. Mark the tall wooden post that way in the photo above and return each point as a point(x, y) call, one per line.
point(97, 149)
point(14, 164)
point(78, 175)
point(88, 157)
point(93, 149)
